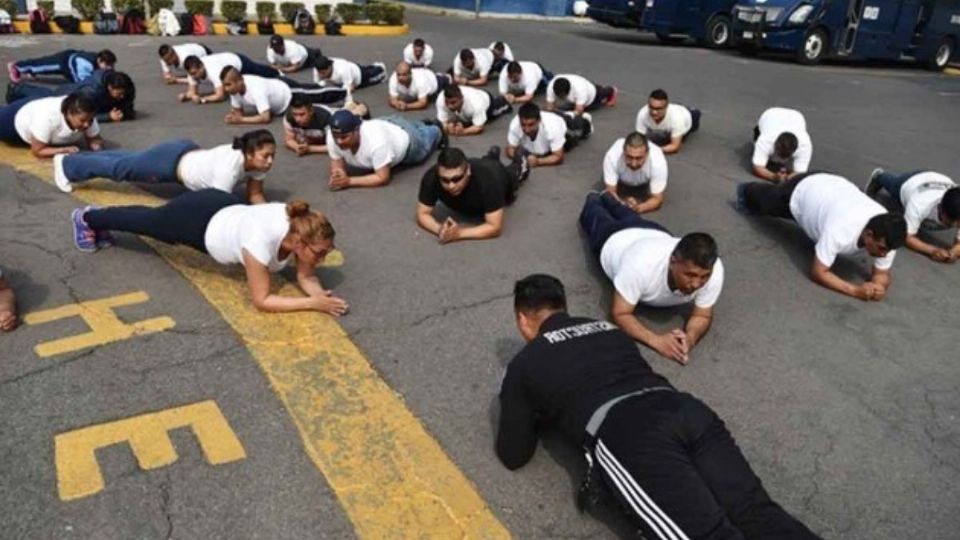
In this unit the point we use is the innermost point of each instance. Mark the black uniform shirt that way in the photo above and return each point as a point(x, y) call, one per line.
point(315, 131)
point(489, 190)
point(561, 377)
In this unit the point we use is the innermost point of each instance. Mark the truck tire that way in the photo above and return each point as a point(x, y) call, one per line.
point(940, 59)
point(814, 47)
point(718, 32)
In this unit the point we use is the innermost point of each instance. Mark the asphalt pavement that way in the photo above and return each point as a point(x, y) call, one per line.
point(848, 411)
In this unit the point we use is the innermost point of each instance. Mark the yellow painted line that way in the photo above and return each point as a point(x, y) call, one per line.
point(105, 326)
point(390, 476)
point(79, 474)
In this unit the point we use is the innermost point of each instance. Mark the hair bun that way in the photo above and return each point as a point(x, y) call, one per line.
point(297, 208)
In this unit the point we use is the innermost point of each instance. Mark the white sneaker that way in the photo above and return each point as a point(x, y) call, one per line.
point(589, 118)
point(59, 176)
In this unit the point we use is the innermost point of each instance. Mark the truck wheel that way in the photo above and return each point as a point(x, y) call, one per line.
point(941, 58)
point(718, 32)
point(814, 47)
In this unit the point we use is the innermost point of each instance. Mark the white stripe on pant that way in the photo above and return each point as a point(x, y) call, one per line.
point(638, 500)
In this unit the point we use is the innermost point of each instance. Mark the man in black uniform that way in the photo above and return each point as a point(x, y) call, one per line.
point(305, 124)
point(667, 457)
point(478, 188)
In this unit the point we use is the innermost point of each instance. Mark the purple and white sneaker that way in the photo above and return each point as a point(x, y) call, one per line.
point(84, 237)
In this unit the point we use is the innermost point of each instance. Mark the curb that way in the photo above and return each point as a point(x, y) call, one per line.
point(283, 29)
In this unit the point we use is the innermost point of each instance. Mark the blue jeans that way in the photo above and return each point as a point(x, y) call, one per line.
point(603, 216)
point(893, 182)
point(157, 164)
point(8, 116)
point(423, 138)
point(249, 67)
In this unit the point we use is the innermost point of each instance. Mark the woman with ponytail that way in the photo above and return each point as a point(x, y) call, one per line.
point(178, 161)
point(264, 238)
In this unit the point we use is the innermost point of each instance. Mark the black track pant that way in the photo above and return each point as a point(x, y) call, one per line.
point(671, 461)
point(314, 93)
point(183, 220)
point(769, 199)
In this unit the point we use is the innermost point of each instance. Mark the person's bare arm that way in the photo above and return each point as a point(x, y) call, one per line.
point(255, 193)
point(579, 108)
point(217, 96)
point(471, 130)
point(310, 284)
point(674, 146)
point(767, 174)
point(881, 278)
point(258, 280)
point(821, 274)
point(511, 151)
point(420, 104)
point(698, 324)
point(480, 81)
point(235, 116)
point(397, 103)
point(653, 202)
point(668, 345)
point(95, 143)
point(44, 150)
point(550, 106)
point(426, 220)
point(8, 306)
point(554, 158)
point(938, 254)
point(491, 227)
point(377, 178)
point(520, 100)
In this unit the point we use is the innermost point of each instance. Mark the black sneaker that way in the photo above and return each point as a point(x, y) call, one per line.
point(873, 186)
point(520, 160)
point(493, 153)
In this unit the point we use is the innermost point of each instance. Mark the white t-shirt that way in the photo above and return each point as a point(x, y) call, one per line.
point(653, 171)
point(473, 111)
point(483, 60)
point(220, 167)
point(263, 95)
point(293, 54)
point(529, 80)
point(184, 50)
point(345, 73)
point(772, 123)
point(582, 91)
point(676, 123)
point(637, 261)
point(833, 212)
point(214, 64)
point(257, 228)
point(507, 51)
point(424, 61)
point(920, 196)
point(382, 144)
point(551, 136)
point(42, 121)
point(423, 82)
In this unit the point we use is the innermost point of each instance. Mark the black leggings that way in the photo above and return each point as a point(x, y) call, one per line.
point(183, 220)
point(769, 199)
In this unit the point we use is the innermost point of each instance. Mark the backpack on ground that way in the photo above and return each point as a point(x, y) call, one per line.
point(265, 26)
point(167, 23)
point(332, 28)
point(68, 24)
point(106, 23)
point(133, 22)
point(303, 23)
point(39, 21)
point(201, 24)
point(186, 23)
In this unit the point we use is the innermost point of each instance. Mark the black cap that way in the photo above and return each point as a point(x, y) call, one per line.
point(344, 121)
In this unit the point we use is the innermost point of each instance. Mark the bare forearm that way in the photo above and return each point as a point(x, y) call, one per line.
point(368, 180)
point(472, 130)
point(310, 285)
point(633, 328)
point(552, 159)
point(652, 203)
point(918, 245)
point(428, 223)
point(834, 282)
point(697, 327)
point(280, 304)
point(480, 232)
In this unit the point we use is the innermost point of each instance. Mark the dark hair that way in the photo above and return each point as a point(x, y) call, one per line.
point(451, 158)
point(539, 291)
point(164, 50)
point(698, 248)
point(785, 145)
point(419, 43)
point(499, 46)
point(465, 55)
point(107, 57)
point(950, 204)
point(275, 40)
point(299, 101)
point(322, 62)
point(636, 139)
point(191, 62)
point(253, 140)
point(226, 71)
point(78, 102)
point(452, 91)
point(561, 87)
point(659, 94)
point(890, 227)
point(514, 68)
point(529, 110)
point(118, 79)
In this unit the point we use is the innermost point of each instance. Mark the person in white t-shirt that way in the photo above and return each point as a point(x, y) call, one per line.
point(930, 200)
point(305, 124)
point(51, 125)
point(376, 146)
point(205, 74)
point(635, 172)
point(839, 218)
point(264, 238)
point(172, 57)
point(521, 81)
point(8, 305)
point(649, 266)
point(471, 67)
point(347, 74)
point(666, 124)
point(268, 97)
point(502, 55)
point(288, 56)
point(180, 161)
point(781, 147)
point(412, 89)
point(573, 92)
point(418, 54)
point(543, 138)
point(466, 111)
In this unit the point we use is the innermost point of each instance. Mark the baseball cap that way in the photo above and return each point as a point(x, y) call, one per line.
point(344, 121)
point(276, 40)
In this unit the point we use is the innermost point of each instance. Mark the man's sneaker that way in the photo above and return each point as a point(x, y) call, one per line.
point(84, 237)
point(493, 153)
point(741, 204)
point(520, 159)
point(613, 97)
point(13, 72)
point(59, 176)
point(873, 186)
point(588, 131)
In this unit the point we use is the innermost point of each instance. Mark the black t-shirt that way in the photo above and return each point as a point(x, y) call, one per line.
point(315, 130)
point(491, 188)
point(560, 378)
